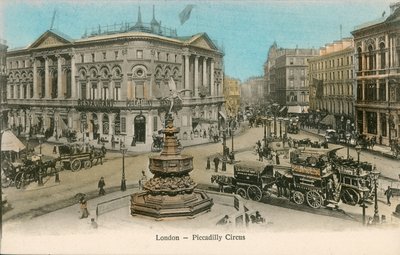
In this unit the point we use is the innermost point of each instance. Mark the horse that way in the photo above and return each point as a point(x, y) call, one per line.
point(222, 181)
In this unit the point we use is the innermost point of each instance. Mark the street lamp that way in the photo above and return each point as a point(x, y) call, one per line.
point(375, 176)
point(280, 126)
point(224, 150)
point(123, 150)
point(265, 131)
point(275, 105)
point(40, 138)
point(358, 149)
point(363, 206)
point(232, 133)
point(348, 136)
point(56, 127)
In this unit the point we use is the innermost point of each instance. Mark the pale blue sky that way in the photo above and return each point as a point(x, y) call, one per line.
point(246, 29)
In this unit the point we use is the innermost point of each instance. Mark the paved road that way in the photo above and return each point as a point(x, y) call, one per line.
point(85, 181)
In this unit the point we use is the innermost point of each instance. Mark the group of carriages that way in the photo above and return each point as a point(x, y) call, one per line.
point(316, 176)
point(37, 167)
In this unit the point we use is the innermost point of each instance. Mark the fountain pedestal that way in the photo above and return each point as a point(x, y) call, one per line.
point(171, 192)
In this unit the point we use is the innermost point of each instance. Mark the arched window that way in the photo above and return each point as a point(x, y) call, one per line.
point(360, 66)
point(382, 55)
point(371, 58)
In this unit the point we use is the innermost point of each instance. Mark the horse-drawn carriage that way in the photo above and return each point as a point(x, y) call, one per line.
point(76, 156)
point(316, 176)
point(29, 170)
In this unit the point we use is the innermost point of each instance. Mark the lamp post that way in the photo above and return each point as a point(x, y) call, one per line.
point(358, 149)
point(275, 105)
point(224, 150)
point(40, 138)
point(123, 181)
point(56, 127)
point(265, 132)
point(375, 176)
point(280, 126)
point(232, 133)
point(348, 144)
point(318, 119)
point(286, 121)
point(363, 206)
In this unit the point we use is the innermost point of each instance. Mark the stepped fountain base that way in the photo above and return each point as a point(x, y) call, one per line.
point(165, 206)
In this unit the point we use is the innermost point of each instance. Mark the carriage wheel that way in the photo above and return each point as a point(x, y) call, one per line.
point(254, 193)
point(298, 197)
point(87, 164)
point(75, 165)
point(18, 180)
point(6, 183)
point(241, 192)
point(350, 197)
point(314, 199)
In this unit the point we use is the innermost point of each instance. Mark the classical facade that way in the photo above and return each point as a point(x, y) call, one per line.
point(286, 76)
point(377, 49)
point(3, 85)
point(331, 76)
point(114, 81)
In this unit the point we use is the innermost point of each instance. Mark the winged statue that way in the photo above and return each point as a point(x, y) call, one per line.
point(174, 93)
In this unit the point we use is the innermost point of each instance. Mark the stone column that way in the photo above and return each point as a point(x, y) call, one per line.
point(186, 56)
point(196, 76)
point(365, 129)
point(74, 94)
point(205, 72)
point(378, 96)
point(60, 92)
point(212, 85)
point(100, 121)
point(378, 126)
point(46, 79)
point(35, 88)
point(363, 90)
point(111, 118)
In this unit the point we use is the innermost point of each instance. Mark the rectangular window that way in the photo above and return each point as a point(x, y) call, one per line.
point(155, 123)
point(83, 91)
point(31, 90)
point(139, 89)
point(117, 91)
point(93, 57)
point(123, 125)
point(371, 122)
point(291, 83)
point(116, 54)
point(104, 56)
point(82, 58)
point(139, 54)
point(382, 91)
point(291, 61)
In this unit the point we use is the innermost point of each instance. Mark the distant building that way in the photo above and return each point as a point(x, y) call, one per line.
point(252, 90)
point(332, 78)
point(114, 81)
point(232, 96)
point(286, 76)
point(3, 85)
point(377, 47)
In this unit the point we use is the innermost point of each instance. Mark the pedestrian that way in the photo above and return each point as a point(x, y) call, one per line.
point(85, 212)
point(389, 194)
point(101, 185)
point(225, 220)
point(55, 149)
point(277, 158)
point(216, 163)
point(93, 223)
point(380, 140)
point(208, 163)
point(112, 141)
point(142, 180)
point(260, 154)
point(133, 143)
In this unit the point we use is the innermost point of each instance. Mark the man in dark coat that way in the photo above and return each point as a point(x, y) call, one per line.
point(389, 194)
point(101, 185)
point(216, 163)
point(277, 158)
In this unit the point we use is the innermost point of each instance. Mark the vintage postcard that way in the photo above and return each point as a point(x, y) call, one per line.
point(200, 127)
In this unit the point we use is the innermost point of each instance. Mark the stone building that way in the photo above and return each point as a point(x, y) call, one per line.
point(232, 96)
point(3, 85)
point(252, 90)
point(114, 82)
point(331, 76)
point(377, 55)
point(286, 76)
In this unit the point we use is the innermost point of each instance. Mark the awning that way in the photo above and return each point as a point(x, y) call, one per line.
point(9, 142)
point(298, 109)
point(222, 115)
point(283, 108)
point(329, 120)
